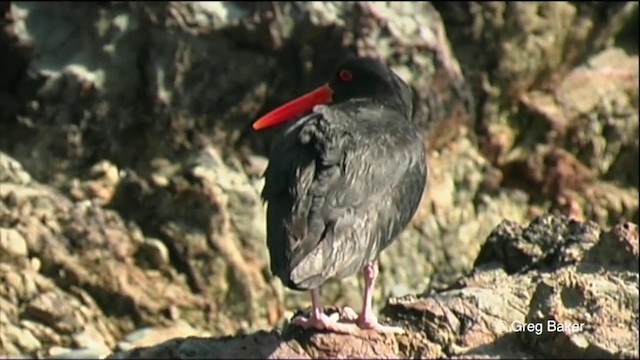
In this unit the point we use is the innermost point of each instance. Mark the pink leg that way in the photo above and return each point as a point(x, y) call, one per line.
point(319, 320)
point(367, 319)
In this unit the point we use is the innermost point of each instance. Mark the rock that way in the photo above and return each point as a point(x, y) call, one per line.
point(211, 222)
point(593, 113)
point(90, 339)
point(584, 315)
point(565, 309)
point(128, 166)
point(12, 243)
point(607, 251)
point(518, 46)
point(558, 99)
point(12, 172)
point(90, 107)
point(18, 340)
point(40, 315)
point(153, 253)
point(520, 249)
point(86, 275)
point(264, 345)
point(104, 177)
point(150, 336)
point(65, 353)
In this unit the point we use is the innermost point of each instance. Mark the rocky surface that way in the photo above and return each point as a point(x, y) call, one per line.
point(578, 301)
point(129, 179)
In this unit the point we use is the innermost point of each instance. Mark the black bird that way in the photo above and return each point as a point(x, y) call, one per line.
point(342, 182)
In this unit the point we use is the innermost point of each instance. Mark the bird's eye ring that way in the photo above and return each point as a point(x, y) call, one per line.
point(345, 75)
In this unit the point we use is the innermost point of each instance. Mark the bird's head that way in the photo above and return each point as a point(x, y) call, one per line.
point(354, 78)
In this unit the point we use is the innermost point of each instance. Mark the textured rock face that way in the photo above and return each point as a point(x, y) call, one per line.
point(559, 105)
point(569, 302)
point(129, 177)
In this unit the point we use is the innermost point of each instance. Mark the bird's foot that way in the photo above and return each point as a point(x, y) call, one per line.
point(348, 314)
point(324, 322)
point(368, 321)
point(371, 322)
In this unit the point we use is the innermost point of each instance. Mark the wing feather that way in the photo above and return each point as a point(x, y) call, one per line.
point(333, 200)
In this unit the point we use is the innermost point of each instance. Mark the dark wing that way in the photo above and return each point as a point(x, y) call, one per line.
point(340, 185)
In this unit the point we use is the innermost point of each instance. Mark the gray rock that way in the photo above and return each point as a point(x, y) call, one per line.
point(12, 243)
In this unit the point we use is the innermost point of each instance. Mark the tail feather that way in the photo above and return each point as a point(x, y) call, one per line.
point(309, 273)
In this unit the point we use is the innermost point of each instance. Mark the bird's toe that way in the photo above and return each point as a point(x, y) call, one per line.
point(348, 314)
point(327, 323)
point(335, 316)
point(372, 323)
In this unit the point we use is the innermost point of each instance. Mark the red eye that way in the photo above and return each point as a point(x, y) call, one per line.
point(345, 75)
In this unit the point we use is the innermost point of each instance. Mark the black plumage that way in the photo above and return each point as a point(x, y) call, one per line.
point(343, 181)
